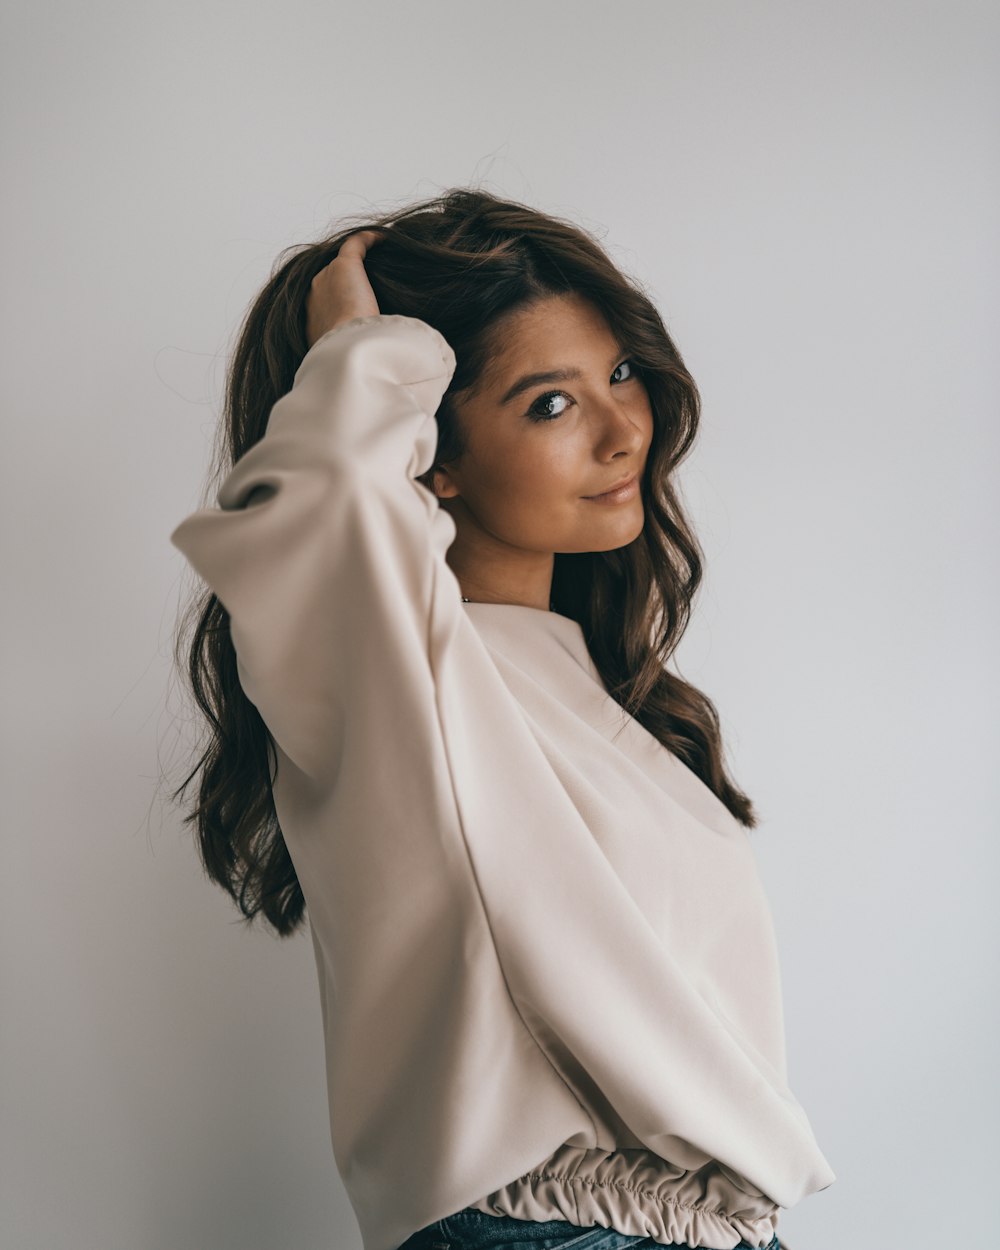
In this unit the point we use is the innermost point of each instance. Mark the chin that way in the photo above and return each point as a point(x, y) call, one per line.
point(616, 546)
point(613, 537)
point(624, 534)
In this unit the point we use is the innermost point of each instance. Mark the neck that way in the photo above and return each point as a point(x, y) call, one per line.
point(491, 571)
point(477, 589)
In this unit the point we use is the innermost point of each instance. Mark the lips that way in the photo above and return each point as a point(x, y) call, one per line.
point(624, 481)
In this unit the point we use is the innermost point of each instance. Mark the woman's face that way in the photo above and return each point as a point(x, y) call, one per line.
point(536, 451)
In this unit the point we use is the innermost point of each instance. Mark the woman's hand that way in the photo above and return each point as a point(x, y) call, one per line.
point(341, 291)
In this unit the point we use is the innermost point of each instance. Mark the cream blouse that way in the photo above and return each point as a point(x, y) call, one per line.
point(546, 962)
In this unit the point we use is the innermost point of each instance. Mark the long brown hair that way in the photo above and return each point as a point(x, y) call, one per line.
point(463, 262)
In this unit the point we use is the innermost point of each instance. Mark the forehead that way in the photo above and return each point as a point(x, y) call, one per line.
point(555, 332)
point(553, 320)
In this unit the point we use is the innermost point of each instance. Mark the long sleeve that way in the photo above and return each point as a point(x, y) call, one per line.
point(288, 551)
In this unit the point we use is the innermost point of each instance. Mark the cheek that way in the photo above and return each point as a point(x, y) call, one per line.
point(529, 496)
point(533, 477)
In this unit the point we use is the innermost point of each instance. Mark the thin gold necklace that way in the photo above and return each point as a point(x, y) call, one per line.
point(465, 599)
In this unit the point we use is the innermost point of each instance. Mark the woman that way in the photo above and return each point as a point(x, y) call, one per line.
point(447, 568)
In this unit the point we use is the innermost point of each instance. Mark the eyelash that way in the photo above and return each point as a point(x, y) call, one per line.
point(532, 415)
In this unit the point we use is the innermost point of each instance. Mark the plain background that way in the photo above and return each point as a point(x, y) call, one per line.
point(810, 194)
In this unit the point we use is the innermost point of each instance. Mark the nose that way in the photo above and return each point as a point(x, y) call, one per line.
point(622, 431)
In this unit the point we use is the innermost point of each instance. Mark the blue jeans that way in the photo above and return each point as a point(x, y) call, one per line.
point(470, 1229)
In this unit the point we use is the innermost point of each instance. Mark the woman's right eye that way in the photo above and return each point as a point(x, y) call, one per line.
point(535, 415)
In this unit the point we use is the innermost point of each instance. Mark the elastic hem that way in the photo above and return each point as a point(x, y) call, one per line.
point(639, 1194)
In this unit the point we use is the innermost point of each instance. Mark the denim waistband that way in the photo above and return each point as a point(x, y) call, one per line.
point(471, 1229)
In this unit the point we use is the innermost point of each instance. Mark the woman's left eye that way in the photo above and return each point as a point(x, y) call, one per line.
point(536, 415)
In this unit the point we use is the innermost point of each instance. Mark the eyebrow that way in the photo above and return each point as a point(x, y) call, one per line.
point(528, 380)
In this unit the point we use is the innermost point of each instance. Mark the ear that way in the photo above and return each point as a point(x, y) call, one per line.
point(445, 486)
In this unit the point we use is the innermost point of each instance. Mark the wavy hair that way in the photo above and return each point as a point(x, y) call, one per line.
point(462, 261)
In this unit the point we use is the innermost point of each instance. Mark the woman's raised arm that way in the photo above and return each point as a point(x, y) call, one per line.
point(323, 549)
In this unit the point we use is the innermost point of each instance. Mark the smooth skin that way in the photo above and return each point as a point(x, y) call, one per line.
point(519, 493)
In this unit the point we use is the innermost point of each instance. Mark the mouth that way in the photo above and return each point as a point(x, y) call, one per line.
point(623, 490)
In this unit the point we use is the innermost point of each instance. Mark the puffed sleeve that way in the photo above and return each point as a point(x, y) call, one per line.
point(324, 548)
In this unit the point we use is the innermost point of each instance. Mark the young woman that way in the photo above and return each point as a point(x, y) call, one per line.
point(447, 570)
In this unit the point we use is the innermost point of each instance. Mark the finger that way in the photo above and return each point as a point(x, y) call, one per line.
point(357, 244)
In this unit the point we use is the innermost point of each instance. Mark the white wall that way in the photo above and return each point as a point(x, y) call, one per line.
point(811, 192)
